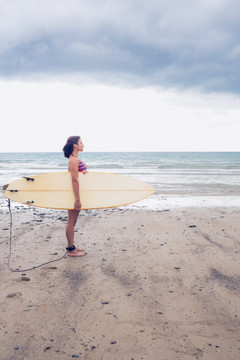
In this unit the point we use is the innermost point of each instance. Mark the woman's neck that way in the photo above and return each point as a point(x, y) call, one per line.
point(75, 153)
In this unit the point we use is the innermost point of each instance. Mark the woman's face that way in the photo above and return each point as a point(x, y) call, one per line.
point(80, 145)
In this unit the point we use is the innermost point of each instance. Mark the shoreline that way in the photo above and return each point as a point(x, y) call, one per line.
point(153, 285)
point(158, 202)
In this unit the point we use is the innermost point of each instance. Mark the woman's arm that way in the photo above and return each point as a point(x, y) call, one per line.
point(73, 167)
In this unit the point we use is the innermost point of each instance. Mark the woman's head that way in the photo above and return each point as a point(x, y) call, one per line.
point(69, 146)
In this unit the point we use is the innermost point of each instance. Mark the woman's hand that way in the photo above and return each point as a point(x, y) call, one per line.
point(77, 205)
point(84, 172)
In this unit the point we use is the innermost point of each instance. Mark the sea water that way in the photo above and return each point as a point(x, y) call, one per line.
point(179, 178)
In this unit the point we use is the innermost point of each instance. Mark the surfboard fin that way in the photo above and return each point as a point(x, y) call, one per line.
point(5, 187)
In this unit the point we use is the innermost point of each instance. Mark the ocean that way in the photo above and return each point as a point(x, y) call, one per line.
point(180, 178)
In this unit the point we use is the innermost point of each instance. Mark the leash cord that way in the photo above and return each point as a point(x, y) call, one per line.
point(10, 248)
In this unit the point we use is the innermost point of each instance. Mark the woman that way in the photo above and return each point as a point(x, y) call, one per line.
point(71, 149)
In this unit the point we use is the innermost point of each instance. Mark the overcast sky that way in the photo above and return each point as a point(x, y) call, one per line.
point(126, 75)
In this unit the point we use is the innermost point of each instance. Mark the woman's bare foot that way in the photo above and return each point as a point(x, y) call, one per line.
point(81, 250)
point(75, 253)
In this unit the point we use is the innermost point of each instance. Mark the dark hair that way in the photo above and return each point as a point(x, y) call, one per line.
point(68, 147)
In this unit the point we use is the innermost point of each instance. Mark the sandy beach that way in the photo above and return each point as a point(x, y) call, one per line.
point(154, 285)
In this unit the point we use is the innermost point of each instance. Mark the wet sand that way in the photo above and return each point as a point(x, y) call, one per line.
point(154, 285)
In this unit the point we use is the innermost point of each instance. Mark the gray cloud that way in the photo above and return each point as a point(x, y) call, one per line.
point(178, 43)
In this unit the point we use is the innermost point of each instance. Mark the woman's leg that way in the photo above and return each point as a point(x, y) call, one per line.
point(72, 219)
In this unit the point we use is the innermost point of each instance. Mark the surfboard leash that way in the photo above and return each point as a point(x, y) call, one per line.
point(10, 248)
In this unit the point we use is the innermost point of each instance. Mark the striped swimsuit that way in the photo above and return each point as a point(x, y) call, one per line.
point(81, 165)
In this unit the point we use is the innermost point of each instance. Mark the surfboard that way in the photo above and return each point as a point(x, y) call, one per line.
point(97, 190)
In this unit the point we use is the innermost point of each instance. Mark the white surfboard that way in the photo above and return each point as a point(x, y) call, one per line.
point(97, 190)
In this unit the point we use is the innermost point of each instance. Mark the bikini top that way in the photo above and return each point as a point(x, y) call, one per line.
point(81, 165)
